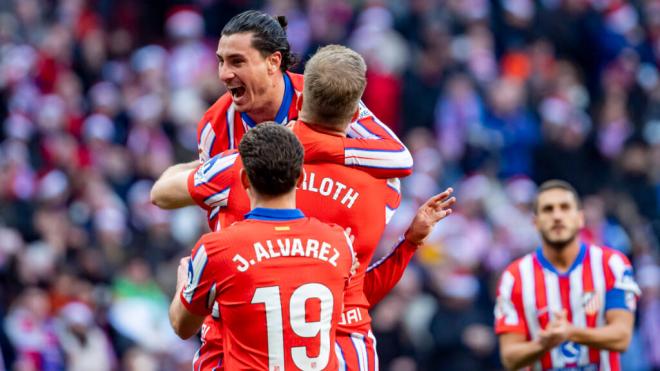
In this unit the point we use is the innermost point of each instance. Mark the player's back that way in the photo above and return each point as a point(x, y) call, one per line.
point(350, 198)
point(280, 292)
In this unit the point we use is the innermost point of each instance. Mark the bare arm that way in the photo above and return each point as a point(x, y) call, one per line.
point(615, 336)
point(184, 323)
point(516, 352)
point(171, 190)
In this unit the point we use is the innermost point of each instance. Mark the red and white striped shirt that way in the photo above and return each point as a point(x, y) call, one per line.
point(531, 290)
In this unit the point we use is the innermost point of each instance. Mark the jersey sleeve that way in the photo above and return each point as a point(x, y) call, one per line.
point(509, 313)
point(370, 146)
point(384, 274)
point(209, 184)
point(198, 294)
point(622, 290)
point(205, 139)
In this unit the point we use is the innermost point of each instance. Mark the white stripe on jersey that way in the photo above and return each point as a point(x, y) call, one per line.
point(340, 358)
point(361, 350)
point(218, 199)
point(389, 159)
point(214, 167)
point(554, 305)
point(230, 125)
point(206, 139)
point(526, 267)
point(506, 306)
point(578, 315)
point(373, 338)
point(389, 213)
point(195, 271)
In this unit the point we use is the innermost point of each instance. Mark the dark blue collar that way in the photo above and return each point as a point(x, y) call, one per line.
point(283, 112)
point(547, 265)
point(262, 213)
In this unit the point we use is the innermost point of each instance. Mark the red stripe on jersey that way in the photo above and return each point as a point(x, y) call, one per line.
point(565, 293)
point(543, 313)
point(609, 277)
point(615, 361)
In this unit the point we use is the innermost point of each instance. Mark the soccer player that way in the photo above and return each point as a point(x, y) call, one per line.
point(335, 80)
point(276, 279)
point(253, 61)
point(567, 305)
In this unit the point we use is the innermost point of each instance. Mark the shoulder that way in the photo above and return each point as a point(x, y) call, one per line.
point(515, 268)
point(219, 108)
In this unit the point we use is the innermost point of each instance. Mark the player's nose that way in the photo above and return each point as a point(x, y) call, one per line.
point(225, 73)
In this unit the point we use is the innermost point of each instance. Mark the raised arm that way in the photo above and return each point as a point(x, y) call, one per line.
point(370, 146)
point(383, 275)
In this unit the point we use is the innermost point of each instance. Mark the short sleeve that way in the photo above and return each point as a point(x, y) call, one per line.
point(198, 294)
point(509, 311)
point(209, 184)
point(624, 291)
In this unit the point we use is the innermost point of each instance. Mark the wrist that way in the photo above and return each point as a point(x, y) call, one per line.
point(410, 239)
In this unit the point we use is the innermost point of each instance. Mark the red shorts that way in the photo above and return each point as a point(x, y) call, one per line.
point(356, 351)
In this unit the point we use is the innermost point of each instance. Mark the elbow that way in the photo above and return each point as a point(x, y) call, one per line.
point(623, 343)
point(181, 331)
point(158, 198)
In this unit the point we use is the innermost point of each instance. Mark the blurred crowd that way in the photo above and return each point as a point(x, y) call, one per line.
point(492, 97)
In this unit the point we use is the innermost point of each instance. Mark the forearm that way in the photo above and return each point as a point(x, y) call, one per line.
point(171, 190)
point(614, 337)
point(184, 323)
point(519, 355)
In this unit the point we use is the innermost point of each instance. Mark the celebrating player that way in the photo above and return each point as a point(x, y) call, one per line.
point(567, 305)
point(276, 279)
point(334, 82)
point(253, 61)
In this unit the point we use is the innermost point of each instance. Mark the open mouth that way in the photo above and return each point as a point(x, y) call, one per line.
point(237, 92)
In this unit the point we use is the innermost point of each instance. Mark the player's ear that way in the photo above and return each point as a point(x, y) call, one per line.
point(274, 62)
point(245, 181)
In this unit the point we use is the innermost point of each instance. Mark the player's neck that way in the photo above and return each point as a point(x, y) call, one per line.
point(285, 201)
point(562, 259)
point(269, 110)
point(336, 131)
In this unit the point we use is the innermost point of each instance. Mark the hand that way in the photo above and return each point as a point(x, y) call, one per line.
point(182, 273)
point(556, 332)
point(434, 209)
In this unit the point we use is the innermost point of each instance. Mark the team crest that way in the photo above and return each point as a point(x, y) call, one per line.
point(570, 352)
point(591, 303)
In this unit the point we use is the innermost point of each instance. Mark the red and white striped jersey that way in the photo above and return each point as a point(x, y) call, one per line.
point(531, 290)
point(371, 146)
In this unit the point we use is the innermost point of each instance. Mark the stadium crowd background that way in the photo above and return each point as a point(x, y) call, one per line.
point(99, 97)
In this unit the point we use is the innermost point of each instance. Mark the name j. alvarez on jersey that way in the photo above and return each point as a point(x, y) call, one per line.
point(286, 247)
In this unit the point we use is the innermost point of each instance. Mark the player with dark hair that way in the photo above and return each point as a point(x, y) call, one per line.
point(567, 305)
point(335, 80)
point(244, 273)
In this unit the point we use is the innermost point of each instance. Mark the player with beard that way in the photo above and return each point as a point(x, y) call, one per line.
point(566, 305)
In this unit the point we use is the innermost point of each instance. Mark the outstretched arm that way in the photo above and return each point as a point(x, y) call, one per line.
point(171, 190)
point(383, 275)
point(370, 146)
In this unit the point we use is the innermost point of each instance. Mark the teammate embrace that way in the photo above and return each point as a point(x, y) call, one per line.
point(296, 311)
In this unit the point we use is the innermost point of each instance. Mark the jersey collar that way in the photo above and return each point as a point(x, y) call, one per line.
point(283, 111)
point(262, 213)
point(547, 265)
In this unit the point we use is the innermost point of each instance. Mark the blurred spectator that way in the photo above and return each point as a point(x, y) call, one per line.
point(100, 97)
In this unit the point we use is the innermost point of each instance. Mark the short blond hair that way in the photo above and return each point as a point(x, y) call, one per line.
point(335, 78)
